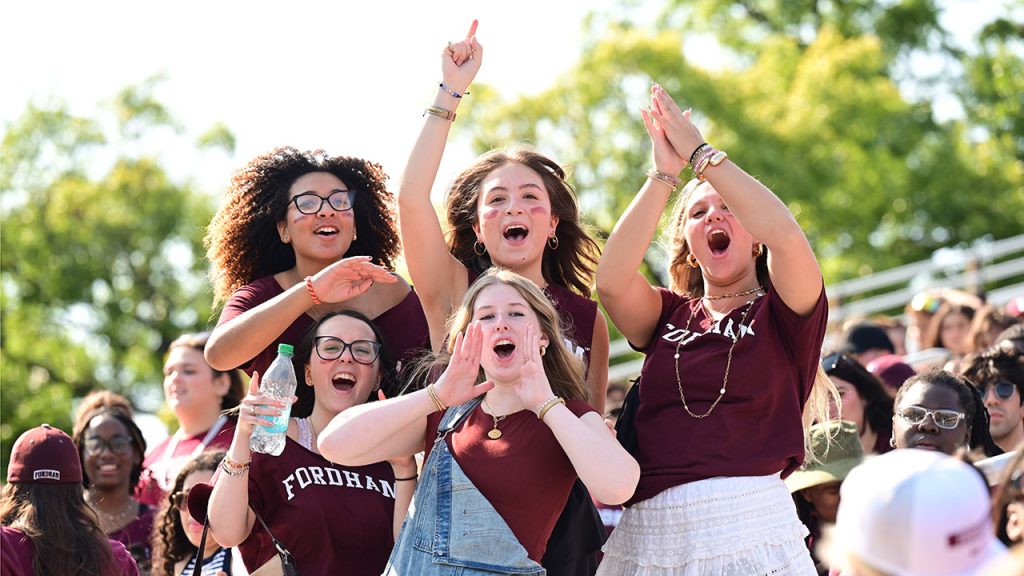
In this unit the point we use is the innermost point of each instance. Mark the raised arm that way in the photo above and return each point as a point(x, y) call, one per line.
point(231, 519)
point(240, 339)
point(394, 428)
point(435, 273)
point(791, 263)
point(632, 303)
point(608, 471)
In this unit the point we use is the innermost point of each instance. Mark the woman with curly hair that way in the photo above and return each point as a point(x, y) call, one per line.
point(177, 534)
point(302, 234)
point(48, 529)
point(111, 448)
point(511, 209)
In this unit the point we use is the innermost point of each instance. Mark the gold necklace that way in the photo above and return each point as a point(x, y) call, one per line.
point(111, 522)
point(728, 362)
point(494, 434)
point(735, 294)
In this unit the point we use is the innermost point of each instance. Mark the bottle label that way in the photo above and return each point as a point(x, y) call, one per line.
point(280, 423)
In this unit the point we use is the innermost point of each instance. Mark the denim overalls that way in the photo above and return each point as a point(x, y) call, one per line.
point(454, 530)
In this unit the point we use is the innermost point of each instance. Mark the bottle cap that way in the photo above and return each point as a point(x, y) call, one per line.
point(286, 349)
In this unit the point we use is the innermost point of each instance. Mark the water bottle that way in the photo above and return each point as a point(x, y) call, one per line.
point(279, 382)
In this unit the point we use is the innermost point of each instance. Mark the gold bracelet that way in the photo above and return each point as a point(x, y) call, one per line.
point(438, 405)
point(234, 473)
point(235, 464)
point(440, 113)
point(548, 406)
point(714, 160)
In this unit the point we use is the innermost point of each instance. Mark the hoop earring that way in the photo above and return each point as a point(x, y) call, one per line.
point(691, 260)
point(892, 442)
point(553, 242)
point(355, 235)
point(758, 250)
point(479, 249)
point(543, 350)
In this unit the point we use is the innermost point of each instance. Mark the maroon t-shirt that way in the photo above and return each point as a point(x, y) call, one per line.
point(159, 464)
point(525, 474)
point(577, 315)
point(756, 429)
point(18, 552)
point(404, 326)
point(334, 519)
point(135, 536)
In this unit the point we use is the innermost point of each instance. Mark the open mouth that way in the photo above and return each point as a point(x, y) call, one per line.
point(718, 242)
point(504, 348)
point(515, 232)
point(343, 381)
point(326, 231)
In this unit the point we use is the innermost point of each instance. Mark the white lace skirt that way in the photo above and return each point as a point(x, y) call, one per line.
point(720, 526)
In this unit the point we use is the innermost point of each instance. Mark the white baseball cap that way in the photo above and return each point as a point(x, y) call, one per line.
point(917, 513)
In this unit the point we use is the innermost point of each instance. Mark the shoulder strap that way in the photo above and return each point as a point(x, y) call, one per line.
point(455, 415)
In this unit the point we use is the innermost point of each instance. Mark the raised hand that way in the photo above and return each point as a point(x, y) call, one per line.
point(665, 157)
point(532, 387)
point(348, 278)
point(460, 61)
point(253, 408)
point(675, 122)
point(458, 382)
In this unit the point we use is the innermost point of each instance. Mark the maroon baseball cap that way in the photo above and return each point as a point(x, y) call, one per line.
point(44, 455)
point(891, 369)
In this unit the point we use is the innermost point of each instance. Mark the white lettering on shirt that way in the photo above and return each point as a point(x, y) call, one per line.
point(306, 476)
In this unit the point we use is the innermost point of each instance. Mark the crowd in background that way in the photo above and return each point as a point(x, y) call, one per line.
point(891, 446)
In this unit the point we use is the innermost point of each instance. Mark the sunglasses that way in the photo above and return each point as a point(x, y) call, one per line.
point(946, 419)
point(1003, 389)
point(310, 203)
point(179, 500)
point(121, 445)
point(331, 348)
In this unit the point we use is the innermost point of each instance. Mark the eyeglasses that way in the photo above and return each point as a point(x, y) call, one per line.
point(331, 348)
point(180, 499)
point(310, 203)
point(947, 419)
point(1002, 388)
point(118, 445)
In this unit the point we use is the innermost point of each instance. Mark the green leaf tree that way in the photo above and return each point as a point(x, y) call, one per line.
point(101, 261)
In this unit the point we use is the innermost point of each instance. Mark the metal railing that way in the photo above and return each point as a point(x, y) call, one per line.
point(983, 263)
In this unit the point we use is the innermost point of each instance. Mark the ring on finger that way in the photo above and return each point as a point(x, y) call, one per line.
point(252, 409)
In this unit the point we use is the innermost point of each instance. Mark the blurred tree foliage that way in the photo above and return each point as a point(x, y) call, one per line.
point(102, 258)
point(826, 102)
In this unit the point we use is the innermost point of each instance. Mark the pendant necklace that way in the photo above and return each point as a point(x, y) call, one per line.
point(494, 434)
point(728, 361)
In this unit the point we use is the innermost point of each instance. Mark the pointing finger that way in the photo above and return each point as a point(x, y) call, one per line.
point(472, 29)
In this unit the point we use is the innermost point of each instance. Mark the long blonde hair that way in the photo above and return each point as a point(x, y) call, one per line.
point(688, 280)
point(563, 369)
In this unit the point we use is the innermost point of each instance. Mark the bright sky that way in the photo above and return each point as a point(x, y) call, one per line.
point(350, 77)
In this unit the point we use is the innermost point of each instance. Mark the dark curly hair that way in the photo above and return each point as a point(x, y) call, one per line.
point(995, 364)
point(572, 265)
point(118, 412)
point(242, 242)
point(683, 278)
point(971, 403)
point(170, 543)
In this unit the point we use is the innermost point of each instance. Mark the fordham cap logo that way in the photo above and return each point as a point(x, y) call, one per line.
point(46, 475)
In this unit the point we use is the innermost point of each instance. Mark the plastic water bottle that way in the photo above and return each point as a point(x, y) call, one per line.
point(279, 382)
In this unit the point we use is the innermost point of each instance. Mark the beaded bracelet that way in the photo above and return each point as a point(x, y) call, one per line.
point(440, 113)
point(697, 151)
point(717, 158)
point(702, 158)
point(664, 178)
point(312, 292)
point(543, 409)
point(445, 87)
point(231, 470)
